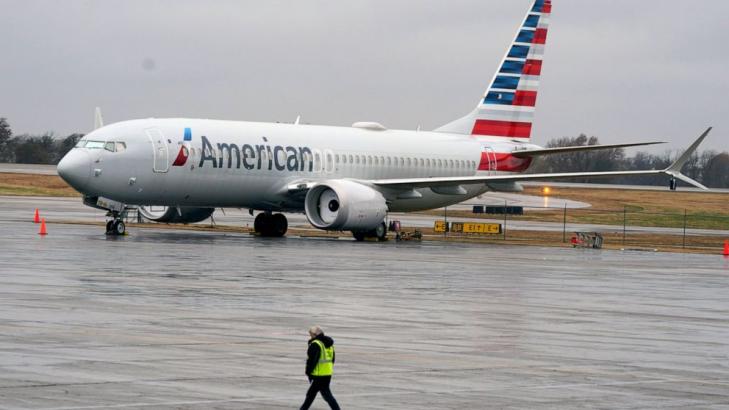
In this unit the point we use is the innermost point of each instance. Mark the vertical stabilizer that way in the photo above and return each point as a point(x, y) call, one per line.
point(507, 107)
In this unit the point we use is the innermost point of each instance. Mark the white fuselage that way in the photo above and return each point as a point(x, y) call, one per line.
point(255, 165)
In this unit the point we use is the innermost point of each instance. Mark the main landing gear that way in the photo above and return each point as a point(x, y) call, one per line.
point(270, 225)
point(379, 234)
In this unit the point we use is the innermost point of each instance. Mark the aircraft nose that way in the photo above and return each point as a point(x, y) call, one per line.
point(75, 168)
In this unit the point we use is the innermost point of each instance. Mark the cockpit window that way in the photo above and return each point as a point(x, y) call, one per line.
point(112, 146)
point(94, 144)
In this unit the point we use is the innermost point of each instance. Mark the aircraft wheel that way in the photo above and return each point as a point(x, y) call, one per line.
point(110, 227)
point(380, 232)
point(119, 228)
point(260, 223)
point(359, 236)
point(278, 225)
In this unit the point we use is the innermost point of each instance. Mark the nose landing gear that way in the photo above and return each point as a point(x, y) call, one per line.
point(116, 227)
point(270, 225)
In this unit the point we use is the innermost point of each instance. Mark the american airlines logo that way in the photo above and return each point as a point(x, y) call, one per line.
point(250, 156)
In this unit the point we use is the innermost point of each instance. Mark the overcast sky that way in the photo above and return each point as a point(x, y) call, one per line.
point(621, 70)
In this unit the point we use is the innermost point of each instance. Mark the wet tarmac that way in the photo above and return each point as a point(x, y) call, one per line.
point(165, 319)
point(18, 208)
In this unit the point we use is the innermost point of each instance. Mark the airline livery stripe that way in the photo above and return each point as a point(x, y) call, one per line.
point(542, 6)
point(543, 22)
point(519, 51)
point(503, 162)
point(511, 129)
point(508, 83)
point(540, 36)
point(527, 98)
point(497, 115)
point(525, 36)
point(512, 67)
point(501, 98)
point(531, 21)
point(532, 67)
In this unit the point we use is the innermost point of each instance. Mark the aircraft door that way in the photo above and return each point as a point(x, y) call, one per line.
point(161, 152)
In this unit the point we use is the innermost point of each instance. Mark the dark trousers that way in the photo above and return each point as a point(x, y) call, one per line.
point(320, 384)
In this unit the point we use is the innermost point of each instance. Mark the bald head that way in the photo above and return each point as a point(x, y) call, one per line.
point(315, 331)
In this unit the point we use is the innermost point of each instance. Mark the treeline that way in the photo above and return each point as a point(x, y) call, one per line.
point(33, 149)
point(711, 168)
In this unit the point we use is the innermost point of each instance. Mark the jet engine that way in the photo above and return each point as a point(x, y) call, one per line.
point(172, 214)
point(344, 206)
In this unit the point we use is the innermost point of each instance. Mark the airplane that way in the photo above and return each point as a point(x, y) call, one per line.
point(341, 178)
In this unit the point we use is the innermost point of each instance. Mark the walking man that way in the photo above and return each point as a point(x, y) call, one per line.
point(319, 367)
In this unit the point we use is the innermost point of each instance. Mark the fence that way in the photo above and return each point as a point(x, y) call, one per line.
point(626, 227)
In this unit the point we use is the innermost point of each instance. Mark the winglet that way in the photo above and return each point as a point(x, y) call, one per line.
point(98, 119)
point(675, 169)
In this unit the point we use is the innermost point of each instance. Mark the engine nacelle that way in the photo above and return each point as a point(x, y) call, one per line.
point(167, 214)
point(344, 205)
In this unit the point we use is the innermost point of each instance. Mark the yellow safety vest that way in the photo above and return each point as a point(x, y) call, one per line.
point(325, 365)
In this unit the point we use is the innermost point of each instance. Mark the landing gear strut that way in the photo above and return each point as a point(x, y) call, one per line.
point(270, 225)
point(379, 233)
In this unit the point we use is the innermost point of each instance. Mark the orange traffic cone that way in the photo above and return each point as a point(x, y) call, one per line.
point(726, 248)
point(43, 227)
point(36, 218)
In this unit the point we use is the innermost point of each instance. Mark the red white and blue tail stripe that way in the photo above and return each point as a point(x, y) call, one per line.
point(507, 107)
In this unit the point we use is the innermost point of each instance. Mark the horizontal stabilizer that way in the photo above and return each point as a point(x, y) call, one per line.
point(581, 148)
point(673, 171)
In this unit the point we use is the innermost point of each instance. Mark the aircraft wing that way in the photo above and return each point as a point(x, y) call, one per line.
point(566, 150)
point(673, 171)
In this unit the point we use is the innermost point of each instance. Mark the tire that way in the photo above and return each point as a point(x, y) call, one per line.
point(109, 227)
point(119, 228)
point(260, 223)
point(278, 225)
point(359, 236)
point(380, 232)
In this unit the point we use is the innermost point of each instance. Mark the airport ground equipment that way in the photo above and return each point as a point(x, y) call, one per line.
point(587, 240)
